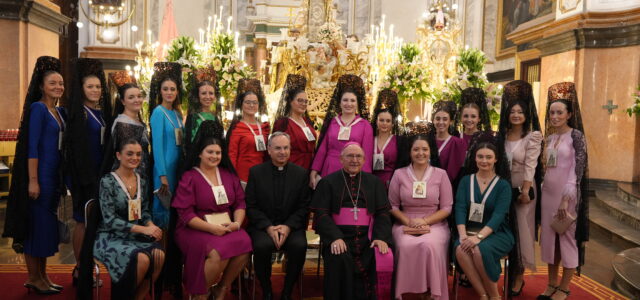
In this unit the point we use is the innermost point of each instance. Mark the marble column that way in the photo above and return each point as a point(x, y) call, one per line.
point(259, 54)
point(28, 30)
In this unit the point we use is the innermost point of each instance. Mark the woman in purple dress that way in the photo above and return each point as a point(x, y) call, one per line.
point(421, 200)
point(345, 121)
point(451, 149)
point(473, 113)
point(564, 192)
point(208, 229)
point(388, 142)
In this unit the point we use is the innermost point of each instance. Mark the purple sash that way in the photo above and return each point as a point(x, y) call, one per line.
point(384, 262)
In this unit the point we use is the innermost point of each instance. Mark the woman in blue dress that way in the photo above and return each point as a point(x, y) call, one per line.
point(36, 183)
point(482, 205)
point(126, 241)
point(84, 141)
point(167, 137)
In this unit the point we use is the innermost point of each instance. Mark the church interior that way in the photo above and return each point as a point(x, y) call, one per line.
point(423, 50)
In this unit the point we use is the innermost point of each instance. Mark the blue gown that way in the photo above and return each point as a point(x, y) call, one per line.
point(42, 238)
point(166, 156)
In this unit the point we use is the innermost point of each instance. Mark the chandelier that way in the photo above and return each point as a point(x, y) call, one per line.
point(107, 15)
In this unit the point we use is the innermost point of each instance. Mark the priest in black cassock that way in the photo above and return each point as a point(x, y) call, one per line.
point(277, 197)
point(352, 217)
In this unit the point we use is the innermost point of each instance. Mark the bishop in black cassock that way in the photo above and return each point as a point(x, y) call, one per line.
point(346, 204)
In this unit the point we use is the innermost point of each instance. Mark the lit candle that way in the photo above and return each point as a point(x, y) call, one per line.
point(201, 35)
point(209, 23)
point(229, 24)
point(235, 40)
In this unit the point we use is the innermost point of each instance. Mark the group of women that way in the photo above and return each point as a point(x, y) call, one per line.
point(458, 193)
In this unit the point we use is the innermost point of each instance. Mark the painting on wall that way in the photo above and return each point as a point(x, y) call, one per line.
point(518, 14)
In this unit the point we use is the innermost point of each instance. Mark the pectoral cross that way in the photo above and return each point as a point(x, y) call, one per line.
point(355, 211)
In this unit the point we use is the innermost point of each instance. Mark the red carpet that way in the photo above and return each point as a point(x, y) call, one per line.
point(13, 276)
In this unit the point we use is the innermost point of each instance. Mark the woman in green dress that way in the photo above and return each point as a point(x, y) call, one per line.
point(126, 241)
point(203, 98)
point(482, 207)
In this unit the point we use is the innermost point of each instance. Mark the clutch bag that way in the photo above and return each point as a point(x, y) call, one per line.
point(561, 225)
point(415, 231)
point(217, 218)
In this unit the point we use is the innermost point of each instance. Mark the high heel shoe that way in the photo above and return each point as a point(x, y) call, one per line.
point(49, 291)
point(74, 276)
point(56, 287)
point(547, 297)
point(513, 293)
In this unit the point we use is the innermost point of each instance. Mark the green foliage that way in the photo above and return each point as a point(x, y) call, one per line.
point(635, 107)
point(183, 51)
point(409, 53)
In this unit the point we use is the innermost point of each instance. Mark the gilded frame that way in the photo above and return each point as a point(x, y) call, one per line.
point(501, 51)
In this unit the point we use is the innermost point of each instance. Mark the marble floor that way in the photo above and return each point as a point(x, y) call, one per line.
point(599, 255)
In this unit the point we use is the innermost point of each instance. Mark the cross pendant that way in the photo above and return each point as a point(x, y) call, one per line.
point(355, 211)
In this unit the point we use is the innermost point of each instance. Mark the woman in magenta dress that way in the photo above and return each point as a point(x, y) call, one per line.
point(292, 118)
point(564, 191)
point(519, 132)
point(421, 199)
point(210, 249)
point(248, 134)
point(387, 143)
point(451, 149)
point(345, 121)
point(473, 113)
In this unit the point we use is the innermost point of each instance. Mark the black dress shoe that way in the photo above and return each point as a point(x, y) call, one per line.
point(513, 293)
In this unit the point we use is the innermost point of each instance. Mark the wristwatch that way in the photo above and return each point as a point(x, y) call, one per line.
point(480, 236)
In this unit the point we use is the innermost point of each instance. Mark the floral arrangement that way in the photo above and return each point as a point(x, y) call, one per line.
point(635, 108)
point(409, 78)
point(470, 73)
point(330, 32)
point(183, 50)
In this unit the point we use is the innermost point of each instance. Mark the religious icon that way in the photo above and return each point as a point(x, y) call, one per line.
point(220, 194)
point(178, 134)
point(378, 162)
point(552, 158)
point(344, 134)
point(134, 209)
point(260, 145)
point(419, 189)
point(477, 212)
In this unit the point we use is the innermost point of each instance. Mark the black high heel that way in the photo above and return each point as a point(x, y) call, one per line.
point(56, 287)
point(513, 293)
point(74, 276)
point(50, 291)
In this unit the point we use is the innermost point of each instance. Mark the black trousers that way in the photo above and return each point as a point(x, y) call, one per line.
point(295, 249)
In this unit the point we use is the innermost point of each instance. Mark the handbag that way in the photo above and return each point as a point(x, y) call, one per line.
point(515, 193)
point(560, 226)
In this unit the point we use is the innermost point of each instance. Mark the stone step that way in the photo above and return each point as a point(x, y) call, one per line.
point(626, 267)
point(618, 208)
point(629, 192)
point(619, 233)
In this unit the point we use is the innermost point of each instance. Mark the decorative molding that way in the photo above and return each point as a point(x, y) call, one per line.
point(501, 76)
point(33, 12)
point(589, 38)
point(110, 53)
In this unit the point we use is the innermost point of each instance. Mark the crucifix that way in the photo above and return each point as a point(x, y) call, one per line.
point(355, 211)
point(610, 106)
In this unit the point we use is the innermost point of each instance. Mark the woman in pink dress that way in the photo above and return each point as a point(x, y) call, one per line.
point(210, 248)
point(421, 200)
point(564, 189)
point(520, 134)
point(388, 143)
point(345, 121)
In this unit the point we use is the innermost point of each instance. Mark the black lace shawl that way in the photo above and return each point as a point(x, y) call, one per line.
point(16, 223)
